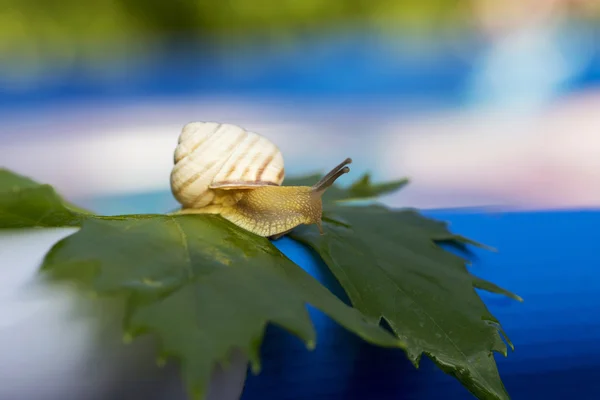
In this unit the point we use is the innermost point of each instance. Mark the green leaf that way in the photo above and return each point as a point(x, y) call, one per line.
point(25, 203)
point(202, 285)
point(206, 287)
point(390, 266)
point(364, 189)
point(361, 189)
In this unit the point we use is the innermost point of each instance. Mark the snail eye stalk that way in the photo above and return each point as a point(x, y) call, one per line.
point(332, 176)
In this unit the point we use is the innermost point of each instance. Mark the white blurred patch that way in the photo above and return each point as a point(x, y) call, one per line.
point(547, 158)
point(42, 347)
point(130, 150)
point(50, 350)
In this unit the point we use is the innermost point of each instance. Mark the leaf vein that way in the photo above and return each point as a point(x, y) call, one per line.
point(184, 242)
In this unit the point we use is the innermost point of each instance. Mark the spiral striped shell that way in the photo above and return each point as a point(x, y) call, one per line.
point(213, 156)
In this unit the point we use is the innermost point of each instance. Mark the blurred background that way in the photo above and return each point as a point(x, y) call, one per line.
point(481, 103)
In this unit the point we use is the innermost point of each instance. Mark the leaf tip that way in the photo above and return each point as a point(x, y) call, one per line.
point(127, 338)
point(197, 392)
point(151, 282)
point(255, 366)
point(476, 244)
point(486, 247)
point(311, 345)
point(518, 298)
point(161, 361)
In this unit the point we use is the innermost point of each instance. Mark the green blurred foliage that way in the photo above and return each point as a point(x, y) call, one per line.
point(68, 29)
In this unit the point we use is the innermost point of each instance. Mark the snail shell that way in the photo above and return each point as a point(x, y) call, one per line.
point(210, 156)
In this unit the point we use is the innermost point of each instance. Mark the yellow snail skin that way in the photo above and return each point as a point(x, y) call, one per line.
point(224, 169)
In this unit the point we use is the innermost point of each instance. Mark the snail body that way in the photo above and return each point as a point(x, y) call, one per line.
point(224, 169)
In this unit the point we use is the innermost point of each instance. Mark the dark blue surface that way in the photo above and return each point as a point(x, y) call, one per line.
point(551, 259)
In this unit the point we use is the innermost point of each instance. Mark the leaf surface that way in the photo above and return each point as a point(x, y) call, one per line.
point(390, 266)
point(205, 287)
point(25, 203)
point(202, 285)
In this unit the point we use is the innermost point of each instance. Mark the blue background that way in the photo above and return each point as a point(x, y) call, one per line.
point(348, 67)
point(548, 258)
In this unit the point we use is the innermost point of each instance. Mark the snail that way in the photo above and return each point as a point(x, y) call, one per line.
point(224, 169)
